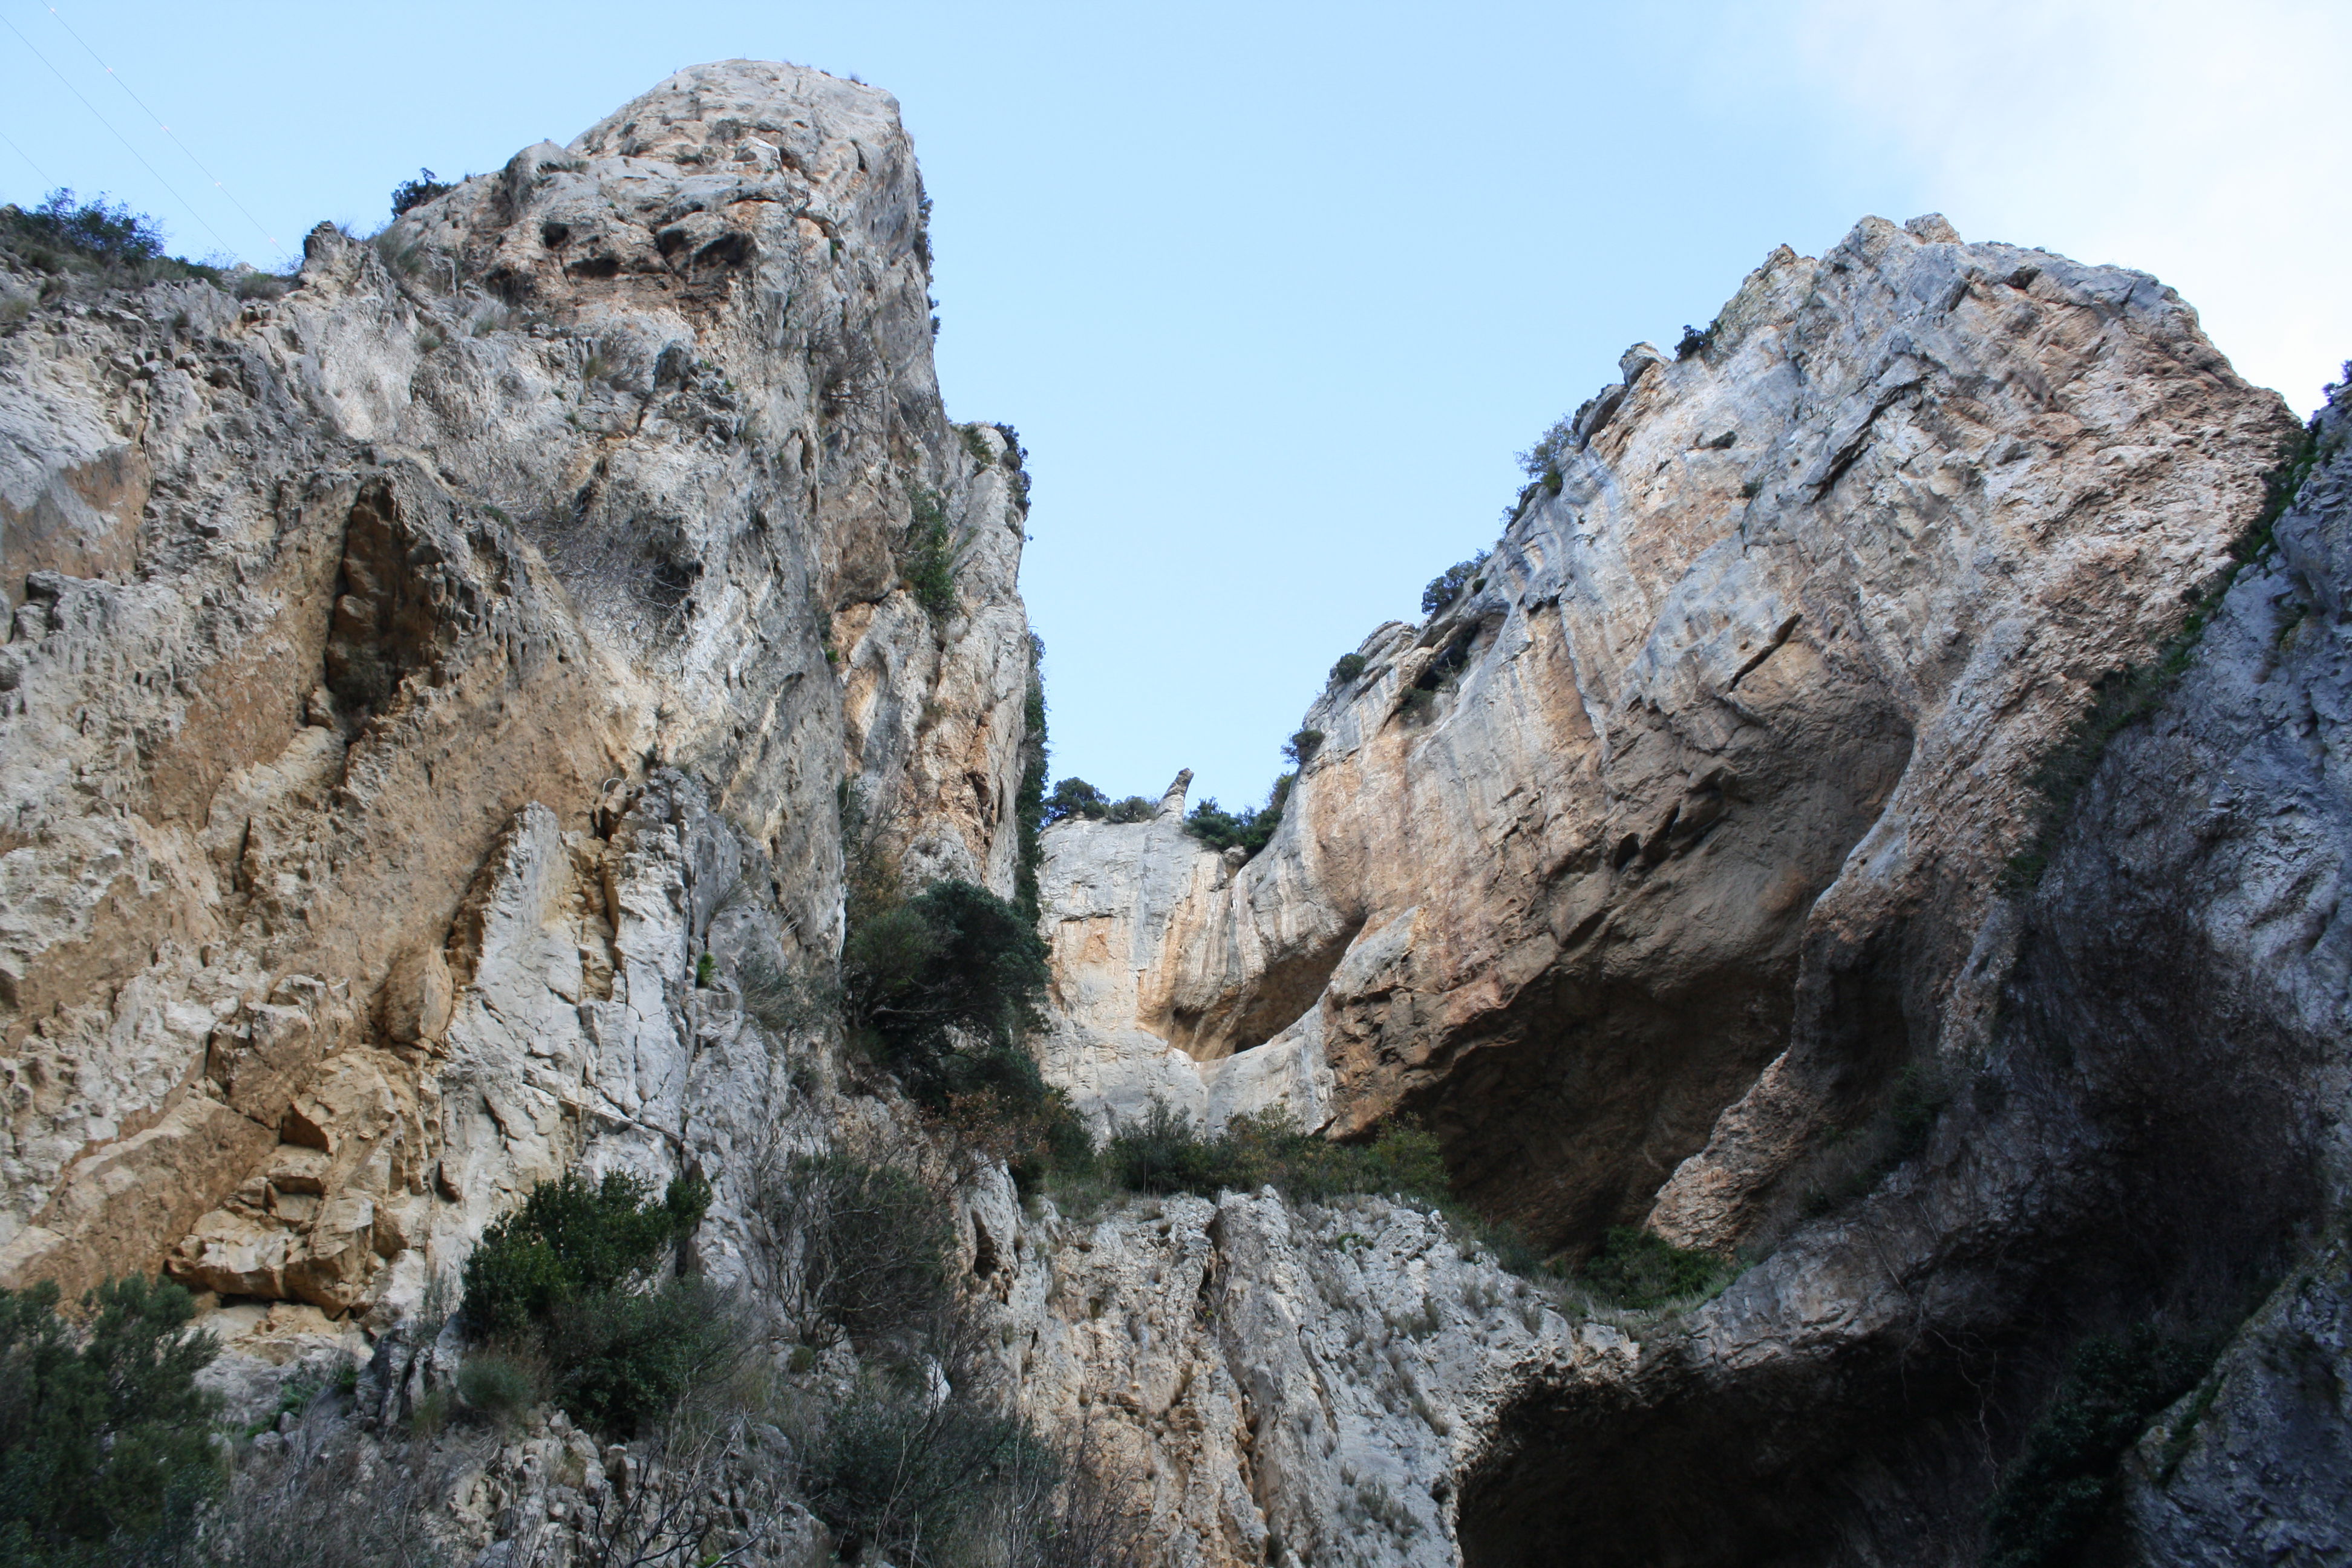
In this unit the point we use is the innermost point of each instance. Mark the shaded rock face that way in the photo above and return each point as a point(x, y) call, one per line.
point(1669, 837)
point(2146, 1127)
point(410, 679)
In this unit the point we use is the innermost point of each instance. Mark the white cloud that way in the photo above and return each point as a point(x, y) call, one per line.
point(2203, 143)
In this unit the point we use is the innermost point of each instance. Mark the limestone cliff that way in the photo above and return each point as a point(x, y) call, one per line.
point(432, 698)
point(1697, 794)
point(1708, 861)
point(475, 621)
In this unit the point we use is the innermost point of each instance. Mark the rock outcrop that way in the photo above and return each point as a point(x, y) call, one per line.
point(1705, 888)
point(1670, 836)
point(439, 704)
point(450, 651)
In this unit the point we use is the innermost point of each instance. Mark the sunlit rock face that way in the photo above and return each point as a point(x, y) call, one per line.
point(1672, 832)
point(1690, 895)
point(431, 699)
point(410, 678)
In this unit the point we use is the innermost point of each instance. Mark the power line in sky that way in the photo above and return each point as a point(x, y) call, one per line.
point(46, 183)
point(119, 136)
point(167, 131)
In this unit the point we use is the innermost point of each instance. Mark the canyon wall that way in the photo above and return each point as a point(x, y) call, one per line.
point(1719, 881)
point(1694, 800)
point(489, 629)
point(437, 703)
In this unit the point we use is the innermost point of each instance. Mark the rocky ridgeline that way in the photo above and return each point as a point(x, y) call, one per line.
point(432, 698)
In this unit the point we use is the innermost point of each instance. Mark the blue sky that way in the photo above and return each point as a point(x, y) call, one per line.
point(1273, 292)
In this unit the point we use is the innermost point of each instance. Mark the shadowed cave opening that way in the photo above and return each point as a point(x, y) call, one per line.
point(1864, 1461)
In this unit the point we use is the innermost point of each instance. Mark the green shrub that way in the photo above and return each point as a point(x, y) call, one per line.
point(1075, 797)
point(104, 1449)
point(571, 1239)
point(417, 192)
point(1250, 830)
point(501, 1385)
point(927, 555)
point(625, 1358)
point(1451, 584)
point(1636, 1269)
point(2063, 1481)
point(1016, 458)
point(99, 231)
point(1697, 341)
point(1166, 1152)
point(947, 984)
point(571, 1274)
point(1301, 747)
point(1542, 462)
point(1347, 668)
point(101, 241)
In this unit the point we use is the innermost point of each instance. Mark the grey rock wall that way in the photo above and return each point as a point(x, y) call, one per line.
point(442, 636)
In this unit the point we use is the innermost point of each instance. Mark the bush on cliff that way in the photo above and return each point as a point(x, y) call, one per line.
point(947, 984)
point(575, 1277)
point(2059, 1488)
point(1249, 830)
point(1452, 583)
point(1165, 1152)
point(1641, 1270)
point(104, 1436)
point(927, 555)
point(101, 241)
point(1075, 797)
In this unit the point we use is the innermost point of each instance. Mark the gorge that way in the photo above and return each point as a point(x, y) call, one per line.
point(1873, 824)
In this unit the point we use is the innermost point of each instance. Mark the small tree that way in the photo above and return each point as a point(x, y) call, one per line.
point(1452, 583)
point(571, 1239)
point(1075, 797)
point(103, 1450)
point(417, 192)
point(947, 984)
point(574, 1276)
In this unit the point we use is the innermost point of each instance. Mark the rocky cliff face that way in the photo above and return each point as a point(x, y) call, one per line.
point(1695, 798)
point(432, 700)
point(1700, 890)
point(412, 678)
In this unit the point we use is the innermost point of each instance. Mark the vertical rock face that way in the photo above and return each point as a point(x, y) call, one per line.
point(431, 701)
point(408, 678)
point(1690, 894)
point(1669, 837)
